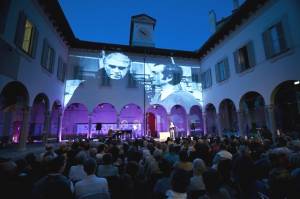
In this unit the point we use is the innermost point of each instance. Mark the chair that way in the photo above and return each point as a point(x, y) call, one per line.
point(95, 196)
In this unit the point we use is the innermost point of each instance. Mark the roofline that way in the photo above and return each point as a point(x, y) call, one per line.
point(237, 18)
point(56, 15)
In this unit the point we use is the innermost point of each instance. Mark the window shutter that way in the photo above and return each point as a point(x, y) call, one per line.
point(251, 55)
point(4, 7)
point(236, 62)
point(52, 60)
point(203, 80)
point(34, 41)
point(209, 78)
point(63, 72)
point(217, 71)
point(227, 71)
point(44, 53)
point(267, 44)
point(282, 37)
point(20, 29)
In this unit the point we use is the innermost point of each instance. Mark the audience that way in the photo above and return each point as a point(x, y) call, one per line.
point(205, 167)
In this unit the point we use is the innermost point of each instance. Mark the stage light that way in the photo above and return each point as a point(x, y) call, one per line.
point(296, 82)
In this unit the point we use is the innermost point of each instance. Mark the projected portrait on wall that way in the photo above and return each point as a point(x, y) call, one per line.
point(116, 65)
point(166, 79)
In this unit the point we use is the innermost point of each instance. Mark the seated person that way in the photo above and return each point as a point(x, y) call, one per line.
point(91, 185)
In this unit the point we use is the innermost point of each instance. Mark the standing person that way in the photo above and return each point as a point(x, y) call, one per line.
point(116, 65)
point(55, 184)
point(172, 130)
point(91, 185)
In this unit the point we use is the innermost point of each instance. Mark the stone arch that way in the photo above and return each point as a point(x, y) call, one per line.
point(14, 98)
point(106, 115)
point(196, 121)
point(253, 115)
point(132, 118)
point(178, 116)
point(160, 122)
point(55, 121)
point(75, 123)
point(285, 99)
point(228, 119)
point(211, 119)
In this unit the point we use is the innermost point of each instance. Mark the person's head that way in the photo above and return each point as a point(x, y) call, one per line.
point(212, 180)
point(180, 180)
point(116, 65)
point(57, 165)
point(90, 166)
point(107, 159)
point(183, 156)
point(198, 166)
point(163, 74)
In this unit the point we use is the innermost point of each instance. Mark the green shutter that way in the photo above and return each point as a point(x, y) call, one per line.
point(44, 53)
point(227, 70)
point(282, 36)
point(52, 59)
point(251, 54)
point(236, 63)
point(35, 38)
point(20, 29)
point(217, 71)
point(267, 44)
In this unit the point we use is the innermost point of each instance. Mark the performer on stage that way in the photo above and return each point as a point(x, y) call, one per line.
point(172, 130)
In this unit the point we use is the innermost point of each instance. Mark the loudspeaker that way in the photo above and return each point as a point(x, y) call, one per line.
point(98, 126)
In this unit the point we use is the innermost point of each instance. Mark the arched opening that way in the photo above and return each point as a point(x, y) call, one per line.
point(286, 99)
point(14, 98)
point(179, 118)
point(38, 120)
point(196, 121)
point(131, 120)
point(211, 120)
point(252, 110)
point(228, 117)
point(75, 122)
point(56, 113)
point(103, 118)
point(158, 123)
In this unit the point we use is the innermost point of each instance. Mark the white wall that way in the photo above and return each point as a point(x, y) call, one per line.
point(267, 74)
point(31, 73)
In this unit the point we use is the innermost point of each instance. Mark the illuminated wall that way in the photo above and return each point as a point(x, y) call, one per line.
point(125, 78)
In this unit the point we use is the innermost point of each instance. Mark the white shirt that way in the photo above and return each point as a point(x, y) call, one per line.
point(77, 173)
point(91, 185)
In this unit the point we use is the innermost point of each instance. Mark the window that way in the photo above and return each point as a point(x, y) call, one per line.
point(105, 80)
point(61, 70)
point(206, 79)
point(26, 35)
point(195, 75)
point(131, 81)
point(222, 70)
point(48, 56)
point(4, 7)
point(274, 40)
point(244, 58)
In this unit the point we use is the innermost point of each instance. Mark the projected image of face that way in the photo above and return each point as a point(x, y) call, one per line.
point(116, 65)
point(166, 74)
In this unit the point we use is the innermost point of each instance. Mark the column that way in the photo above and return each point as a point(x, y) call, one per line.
point(240, 123)
point(271, 119)
point(90, 126)
point(219, 122)
point(7, 118)
point(204, 123)
point(46, 126)
point(24, 129)
point(59, 127)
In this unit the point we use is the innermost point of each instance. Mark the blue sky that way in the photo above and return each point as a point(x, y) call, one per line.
point(181, 24)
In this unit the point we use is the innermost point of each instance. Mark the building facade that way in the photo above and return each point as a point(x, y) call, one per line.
point(244, 78)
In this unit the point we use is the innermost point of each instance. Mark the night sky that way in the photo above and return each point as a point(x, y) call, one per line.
point(181, 24)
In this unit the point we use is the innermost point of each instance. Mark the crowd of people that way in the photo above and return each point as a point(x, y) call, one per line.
point(193, 168)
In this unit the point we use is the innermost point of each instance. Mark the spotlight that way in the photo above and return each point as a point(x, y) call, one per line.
point(297, 82)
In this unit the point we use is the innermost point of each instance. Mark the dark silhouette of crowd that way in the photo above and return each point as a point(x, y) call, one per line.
point(193, 168)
